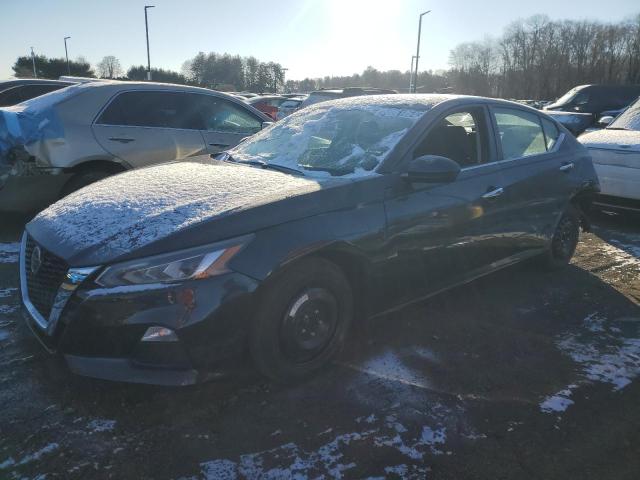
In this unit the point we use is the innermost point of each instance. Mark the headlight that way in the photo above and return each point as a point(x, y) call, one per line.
point(191, 264)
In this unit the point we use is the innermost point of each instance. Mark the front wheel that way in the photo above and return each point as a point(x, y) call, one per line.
point(565, 239)
point(301, 321)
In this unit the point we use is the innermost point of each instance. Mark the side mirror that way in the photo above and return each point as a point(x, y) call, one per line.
point(606, 120)
point(432, 169)
point(266, 124)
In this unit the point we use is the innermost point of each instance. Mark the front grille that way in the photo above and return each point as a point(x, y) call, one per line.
point(43, 285)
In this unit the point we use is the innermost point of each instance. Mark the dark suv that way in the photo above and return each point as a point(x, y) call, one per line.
point(596, 99)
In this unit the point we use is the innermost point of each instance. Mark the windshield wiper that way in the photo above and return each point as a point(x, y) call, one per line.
point(278, 167)
point(263, 164)
point(616, 128)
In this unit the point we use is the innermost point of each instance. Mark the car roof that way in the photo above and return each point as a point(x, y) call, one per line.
point(427, 99)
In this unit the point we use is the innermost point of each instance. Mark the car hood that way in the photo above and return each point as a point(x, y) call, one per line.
point(628, 140)
point(125, 213)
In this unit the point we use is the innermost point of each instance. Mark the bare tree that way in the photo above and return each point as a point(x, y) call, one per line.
point(109, 67)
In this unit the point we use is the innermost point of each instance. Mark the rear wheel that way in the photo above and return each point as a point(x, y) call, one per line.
point(301, 321)
point(565, 239)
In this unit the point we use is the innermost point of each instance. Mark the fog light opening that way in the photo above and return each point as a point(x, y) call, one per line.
point(159, 334)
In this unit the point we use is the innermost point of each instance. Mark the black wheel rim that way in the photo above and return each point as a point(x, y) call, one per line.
point(565, 239)
point(309, 325)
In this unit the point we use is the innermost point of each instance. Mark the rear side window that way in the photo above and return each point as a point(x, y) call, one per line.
point(520, 133)
point(151, 109)
point(551, 133)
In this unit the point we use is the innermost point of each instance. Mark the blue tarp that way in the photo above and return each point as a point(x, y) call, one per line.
point(32, 121)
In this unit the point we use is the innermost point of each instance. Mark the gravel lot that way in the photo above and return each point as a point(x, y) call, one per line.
point(524, 374)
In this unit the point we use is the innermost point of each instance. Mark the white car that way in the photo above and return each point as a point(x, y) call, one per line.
point(616, 157)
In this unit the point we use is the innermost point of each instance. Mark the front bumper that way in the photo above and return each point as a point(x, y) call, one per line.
point(31, 193)
point(100, 330)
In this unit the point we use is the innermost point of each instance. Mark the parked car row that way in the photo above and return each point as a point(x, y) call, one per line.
point(270, 239)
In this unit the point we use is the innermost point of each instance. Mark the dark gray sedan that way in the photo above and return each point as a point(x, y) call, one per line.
point(343, 210)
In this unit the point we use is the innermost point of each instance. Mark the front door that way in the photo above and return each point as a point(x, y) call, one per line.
point(440, 235)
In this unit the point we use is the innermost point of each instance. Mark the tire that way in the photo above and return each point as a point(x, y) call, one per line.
point(564, 240)
point(82, 179)
point(301, 321)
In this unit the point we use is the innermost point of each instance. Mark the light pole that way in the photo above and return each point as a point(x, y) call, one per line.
point(33, 62)
point(146, 26)
point(284, 73)
point(413, 57)
point(415, 82)
point(66, 54)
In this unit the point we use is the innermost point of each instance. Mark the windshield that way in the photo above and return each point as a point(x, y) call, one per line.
point(629, 119)
point(344, 139)
point(566, 97)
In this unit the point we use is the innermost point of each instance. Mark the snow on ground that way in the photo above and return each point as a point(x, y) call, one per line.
point(9, 252)
point(332, 459)
point(606, 351)
point(391, 365)
point(8, 292)
point(35, 456)
point(8, 309)
point(101, 425)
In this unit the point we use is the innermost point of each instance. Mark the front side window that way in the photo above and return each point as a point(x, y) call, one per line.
point(459, 136)
point(346, 140)
point(520, 133)
point(150, 109)
point(220, 115)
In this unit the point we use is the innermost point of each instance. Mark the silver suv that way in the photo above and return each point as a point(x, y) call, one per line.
point(62, 141)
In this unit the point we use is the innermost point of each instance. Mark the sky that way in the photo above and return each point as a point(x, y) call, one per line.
point(311, 38)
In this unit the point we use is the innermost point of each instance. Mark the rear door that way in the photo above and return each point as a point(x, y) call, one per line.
point(145, 127)
point(539, 175)
point(225, 123)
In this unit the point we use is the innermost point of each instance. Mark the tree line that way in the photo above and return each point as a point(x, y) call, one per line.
point(534, 58)
point(212, 70)
point(538, 58)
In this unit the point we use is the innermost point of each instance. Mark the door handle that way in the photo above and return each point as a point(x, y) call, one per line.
point(221, 145)
point(495, 193)
point(122, 139)
point(566, 167)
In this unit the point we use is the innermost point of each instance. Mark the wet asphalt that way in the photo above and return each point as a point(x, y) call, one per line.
point(523, 374)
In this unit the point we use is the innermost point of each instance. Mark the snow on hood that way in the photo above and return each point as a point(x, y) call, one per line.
point(126, 211)
point(612, 139)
